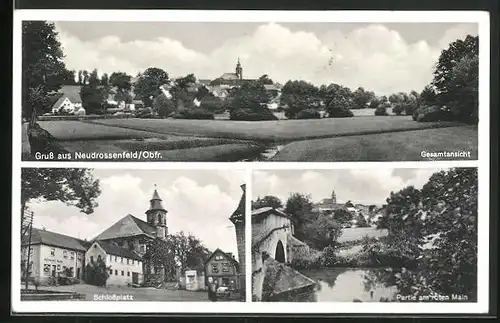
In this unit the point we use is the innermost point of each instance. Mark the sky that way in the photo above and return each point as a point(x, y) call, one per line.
point(197, 201)
point(384, 58)
point(365, 186)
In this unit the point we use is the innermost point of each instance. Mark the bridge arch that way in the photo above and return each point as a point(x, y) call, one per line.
point(279, 254)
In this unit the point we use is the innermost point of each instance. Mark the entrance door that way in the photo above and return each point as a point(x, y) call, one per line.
point(78, 273)
point(135, 278)
point(53, 270)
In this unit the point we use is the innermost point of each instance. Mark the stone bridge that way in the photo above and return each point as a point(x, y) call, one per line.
point(272, 242)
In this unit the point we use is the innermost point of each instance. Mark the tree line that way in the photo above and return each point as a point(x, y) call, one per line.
point(454, 86)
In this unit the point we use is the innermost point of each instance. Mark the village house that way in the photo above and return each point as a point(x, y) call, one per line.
point(53, 254)
point(223, 269)
point(124, 265)
point(69, 101)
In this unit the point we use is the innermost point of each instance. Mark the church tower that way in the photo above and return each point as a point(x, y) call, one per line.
point(157, 215)
point(239, 70)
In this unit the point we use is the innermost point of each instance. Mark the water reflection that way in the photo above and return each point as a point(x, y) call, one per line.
point(348, 285)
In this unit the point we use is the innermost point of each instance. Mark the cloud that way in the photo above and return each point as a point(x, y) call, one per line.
point(358, 185)
point(371, 56)
point(200, 209)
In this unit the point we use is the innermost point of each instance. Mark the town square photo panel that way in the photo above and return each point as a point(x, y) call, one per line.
point(174, 161)
point(132, 235)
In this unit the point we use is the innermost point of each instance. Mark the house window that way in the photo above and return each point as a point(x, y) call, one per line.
point(123, 273)
point(72, 255)
point(116, 272)
point(99, 258)
point(92, 259)
point(65, 253)
point(116, 259)
point(215, 268)
point(128, 273)
point(46, 269)
point(127, 261)
point(225, 267)
point(53, 252)
point(111, 271)
point(133, 262)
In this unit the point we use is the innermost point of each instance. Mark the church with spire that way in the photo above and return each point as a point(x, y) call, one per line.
point(131, 235)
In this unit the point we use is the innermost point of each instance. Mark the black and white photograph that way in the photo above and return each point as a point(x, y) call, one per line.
point(132, 235)
point(249, 91)
point(365, 235)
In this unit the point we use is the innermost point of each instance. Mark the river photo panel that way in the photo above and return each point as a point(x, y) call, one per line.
point(365, 235)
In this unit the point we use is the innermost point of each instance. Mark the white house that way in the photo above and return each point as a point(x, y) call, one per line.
point(69, 101)
point(124, 265)
point(53, 254)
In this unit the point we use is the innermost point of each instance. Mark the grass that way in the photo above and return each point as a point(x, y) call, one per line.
point(397, 146)
point(355, 234)
point(270, 131)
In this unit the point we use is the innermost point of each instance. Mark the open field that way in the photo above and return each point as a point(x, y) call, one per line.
point(368, 138)
point(353, 234)
point(396, 146)
point(270, 131)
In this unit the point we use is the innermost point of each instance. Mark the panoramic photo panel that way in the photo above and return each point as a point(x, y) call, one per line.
point(132, 235)
point(249, 91)
point(365, 235)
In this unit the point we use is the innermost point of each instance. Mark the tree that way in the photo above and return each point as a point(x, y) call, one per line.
point(338, 101)
point(322, 233)
point(92, 95)
point(448, 59)
point(85, 77)
point(361, 98)
point(68, 77)
point(267, 201)
point(43, 70)
point(96, 273)
point(80, 77)
point(342, 216)
point(163, 106)
point(148, 84)
point(189, 252)
point(299, 206)
point(298, 96)
point(161, 254)
point(105, 79)
point(428, 96)
point(72, 186)
point(120, 80)
point(264, 79)
point(463, 89)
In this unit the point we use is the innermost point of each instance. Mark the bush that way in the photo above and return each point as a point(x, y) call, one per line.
point(308, 114)
point(340, 113)
point(381, 111)
point(213, 104)
point(309, 259)
point(163, 106)
point(197, 114)
point(398, 109)
point(432, 113)
point(249, 115)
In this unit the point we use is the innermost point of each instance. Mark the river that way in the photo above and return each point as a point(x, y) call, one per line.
point(348, 284)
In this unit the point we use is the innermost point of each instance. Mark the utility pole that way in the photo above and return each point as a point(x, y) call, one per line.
point(26, 230)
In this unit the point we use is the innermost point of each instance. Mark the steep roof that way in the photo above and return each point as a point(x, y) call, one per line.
point(115, 250)
point(204, 81)
point(155, 203)
point(39, 236)
point(72, 92)
point(226, 255)
point(127, 226)
point(229, 76)
point(280, 278)
point(239, 213)
point(265, 211)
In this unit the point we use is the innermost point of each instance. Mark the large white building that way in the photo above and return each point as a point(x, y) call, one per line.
point(53, 254)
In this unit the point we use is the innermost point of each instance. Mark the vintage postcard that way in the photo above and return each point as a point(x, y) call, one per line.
point(179, 88)
point(172, 161)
